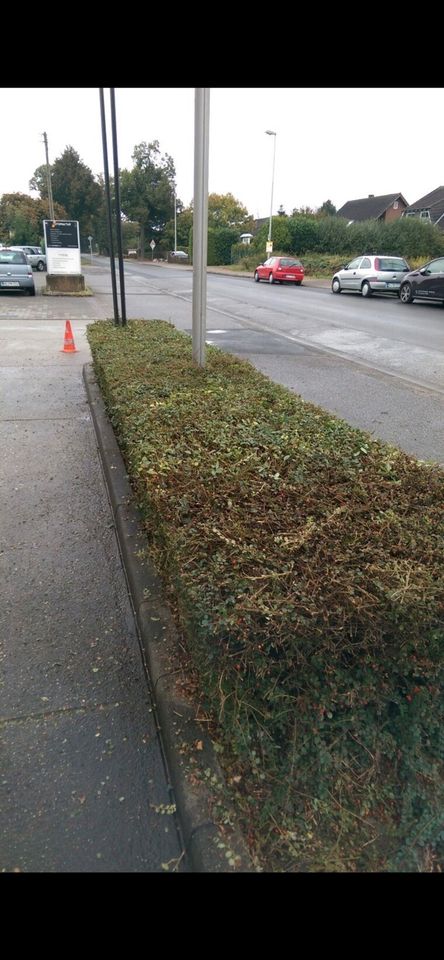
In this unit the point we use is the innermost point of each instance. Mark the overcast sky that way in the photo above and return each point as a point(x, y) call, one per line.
point(333, 144)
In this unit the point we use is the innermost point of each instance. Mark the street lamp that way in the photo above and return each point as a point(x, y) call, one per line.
point(175, 220)
point(271, 133)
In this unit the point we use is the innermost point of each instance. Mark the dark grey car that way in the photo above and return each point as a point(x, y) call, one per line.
point(427, 283)
point(15, 272)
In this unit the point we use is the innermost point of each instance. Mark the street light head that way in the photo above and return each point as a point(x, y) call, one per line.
point(271, 133)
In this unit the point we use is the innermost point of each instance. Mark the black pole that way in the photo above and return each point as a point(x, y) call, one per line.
point(117, 199)
point(108, 207)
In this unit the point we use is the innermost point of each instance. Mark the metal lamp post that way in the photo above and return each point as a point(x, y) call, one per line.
point(175, 221)
point(271, 133)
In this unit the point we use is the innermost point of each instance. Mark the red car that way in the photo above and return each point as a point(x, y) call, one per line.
point(280, 270)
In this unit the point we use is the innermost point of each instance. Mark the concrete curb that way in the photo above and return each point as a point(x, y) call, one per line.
point(197, 779)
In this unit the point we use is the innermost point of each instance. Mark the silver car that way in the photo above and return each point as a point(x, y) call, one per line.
point(371, 273)
point(15, 272)
point(35, 256)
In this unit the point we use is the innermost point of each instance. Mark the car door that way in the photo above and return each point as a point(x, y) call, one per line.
point(430, 282)
point(265, 269)
point(350, 278)
point(364, 270)
point(29, 253)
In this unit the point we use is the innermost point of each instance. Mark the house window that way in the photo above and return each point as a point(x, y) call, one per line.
point(395, 205)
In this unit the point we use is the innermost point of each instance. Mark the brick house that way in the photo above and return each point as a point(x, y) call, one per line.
point(385, 209)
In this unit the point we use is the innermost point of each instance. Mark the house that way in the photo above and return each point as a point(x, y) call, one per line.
point(258, 223)
point(246, 237)
point(429, 208)
point(384, 209)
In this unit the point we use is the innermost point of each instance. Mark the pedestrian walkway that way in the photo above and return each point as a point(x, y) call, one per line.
point(83, 784)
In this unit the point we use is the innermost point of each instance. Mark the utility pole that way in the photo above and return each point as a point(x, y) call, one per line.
point(200, 220)
point(175, 221)
point(48, 179)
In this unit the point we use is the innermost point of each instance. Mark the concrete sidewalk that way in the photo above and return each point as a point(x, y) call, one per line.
point(84, 786)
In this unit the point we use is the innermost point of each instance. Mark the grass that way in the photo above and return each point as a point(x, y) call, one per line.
point(305, 563)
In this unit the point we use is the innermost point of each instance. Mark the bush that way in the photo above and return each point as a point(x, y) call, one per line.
point(220, 242)
point(307, 562)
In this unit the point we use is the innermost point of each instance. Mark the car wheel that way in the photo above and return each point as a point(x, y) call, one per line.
point(271, 278)
point(256, 277)
point(40, 265)
point(406, 293)
point(366, 289)
point(335, 285)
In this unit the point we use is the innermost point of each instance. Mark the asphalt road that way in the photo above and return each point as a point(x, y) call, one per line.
point(376, 363)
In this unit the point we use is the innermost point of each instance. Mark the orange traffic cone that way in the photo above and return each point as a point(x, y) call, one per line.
point(68, 343)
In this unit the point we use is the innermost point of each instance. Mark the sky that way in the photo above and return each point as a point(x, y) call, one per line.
point(333, 144)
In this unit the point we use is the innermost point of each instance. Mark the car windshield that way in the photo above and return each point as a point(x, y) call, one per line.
point(393, 264)
point(10, 256)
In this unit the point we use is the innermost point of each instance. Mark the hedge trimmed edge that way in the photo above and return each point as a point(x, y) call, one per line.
point(306, 564)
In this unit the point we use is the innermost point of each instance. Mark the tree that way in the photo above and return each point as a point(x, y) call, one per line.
point(303, 212)
point(21, 218)
point(225, 211)
point(184, 224)
point(147, 191)
point(73, 186)
point(328, 209)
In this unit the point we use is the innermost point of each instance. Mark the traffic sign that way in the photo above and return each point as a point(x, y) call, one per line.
point(152, 244)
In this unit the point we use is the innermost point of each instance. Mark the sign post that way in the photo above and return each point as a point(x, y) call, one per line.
point(62, 246)
point(152, 245)
point(62, 242)
point(90, 249)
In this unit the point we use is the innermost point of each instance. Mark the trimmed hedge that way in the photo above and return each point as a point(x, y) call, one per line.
point(307, 563)
point(404, 237)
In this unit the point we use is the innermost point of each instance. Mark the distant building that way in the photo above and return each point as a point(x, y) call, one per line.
point(430, 208)
point(384, 209)
point(246, 237)
point(259, 223)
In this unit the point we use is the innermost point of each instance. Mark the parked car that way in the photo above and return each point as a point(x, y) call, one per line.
point(179, 255)
point(280, 270)
point(427, 283)
point(371, 273)
point(35, 255)
point(15, 272)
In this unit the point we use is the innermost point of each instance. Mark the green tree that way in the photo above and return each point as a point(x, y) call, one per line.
point(225, 211)
point(21, 218)
point(303, 212)
point(280, 235)
point(147, 191)
point(327, 209)
point(74, 187)
point(184, 224)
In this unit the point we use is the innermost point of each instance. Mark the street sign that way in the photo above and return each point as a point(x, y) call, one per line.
point(152, 244)
point(269, 246)
point(90, 238)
